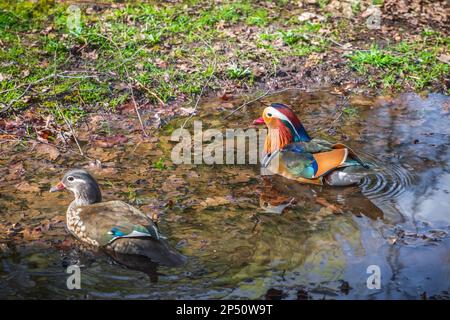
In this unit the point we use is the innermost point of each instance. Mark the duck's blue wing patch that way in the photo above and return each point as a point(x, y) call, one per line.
point(115, 231)
point(130, 231)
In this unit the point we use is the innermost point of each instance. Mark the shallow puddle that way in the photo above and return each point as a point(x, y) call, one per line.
point(224, 217)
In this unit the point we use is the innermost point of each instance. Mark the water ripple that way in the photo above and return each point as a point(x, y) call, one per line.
point(388, 180)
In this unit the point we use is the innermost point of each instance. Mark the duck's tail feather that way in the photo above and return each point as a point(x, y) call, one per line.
point(351, 155)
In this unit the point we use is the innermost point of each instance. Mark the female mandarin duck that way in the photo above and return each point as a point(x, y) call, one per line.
point(290, 152)
point(113, 225)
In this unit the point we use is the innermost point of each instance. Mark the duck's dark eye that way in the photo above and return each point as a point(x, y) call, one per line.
point(70, 178)
point(269, 114)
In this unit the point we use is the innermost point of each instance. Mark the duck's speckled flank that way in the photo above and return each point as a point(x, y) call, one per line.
point(77, 227)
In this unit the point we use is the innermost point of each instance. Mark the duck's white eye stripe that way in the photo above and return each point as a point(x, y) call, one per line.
point(277, 114)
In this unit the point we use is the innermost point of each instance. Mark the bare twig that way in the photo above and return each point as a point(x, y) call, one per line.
point(77, 76)
point(204, 86)
point(195, 109)
point(130, 85)
point(265, 94)
point(247, 103)
point(52, 75)
point(161, 102)
point(125, 60)
point(31, 139)
point(196, 103)
point(10, 104)
point(70, 128)
point(338, 44)
point(31, 84)
point(60, 111)
point(137, 110)
point(331, 40)
point(339, 106)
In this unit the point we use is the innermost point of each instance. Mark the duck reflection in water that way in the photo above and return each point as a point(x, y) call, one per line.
point(276, 195)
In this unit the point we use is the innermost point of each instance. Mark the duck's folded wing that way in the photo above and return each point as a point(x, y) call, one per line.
point(301, 163)
point(298, 164)
point(312, 146)
point(107, 221)
point(327, 161)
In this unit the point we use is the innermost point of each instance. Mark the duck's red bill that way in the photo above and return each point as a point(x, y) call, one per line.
point(60, 186)
point(258, 121)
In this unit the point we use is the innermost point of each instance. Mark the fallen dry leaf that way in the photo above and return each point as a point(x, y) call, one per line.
point(15, 171)
point(161, 63)
point(44, 134)
point(227, 105)
point(48, 150)
point(102, 155)
point(214, 202)
point(65, 244)
point(187, 111)
point(445, 58)
point(334, 208)
point(110, 141)
point(225, 96)
point(91, 55)
point(32, 233)
point(27, 187)
point(308, 16)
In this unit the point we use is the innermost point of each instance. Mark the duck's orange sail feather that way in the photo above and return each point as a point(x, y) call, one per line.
point(329, 160)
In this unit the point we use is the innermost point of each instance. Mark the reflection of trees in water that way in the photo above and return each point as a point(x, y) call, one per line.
point(411, 122)
point(290, 252)
point(302, 245)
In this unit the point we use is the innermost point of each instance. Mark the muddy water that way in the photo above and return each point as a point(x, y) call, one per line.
point(226, 218)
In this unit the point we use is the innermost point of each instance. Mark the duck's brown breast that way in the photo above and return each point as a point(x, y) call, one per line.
point(77, 227)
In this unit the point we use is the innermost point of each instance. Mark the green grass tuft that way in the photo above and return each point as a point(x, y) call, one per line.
point(413, 64)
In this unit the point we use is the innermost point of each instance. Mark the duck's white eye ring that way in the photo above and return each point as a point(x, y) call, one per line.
point(70, 178)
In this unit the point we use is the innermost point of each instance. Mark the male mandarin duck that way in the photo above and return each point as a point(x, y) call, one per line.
point(293, 154)
point(113, 225)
